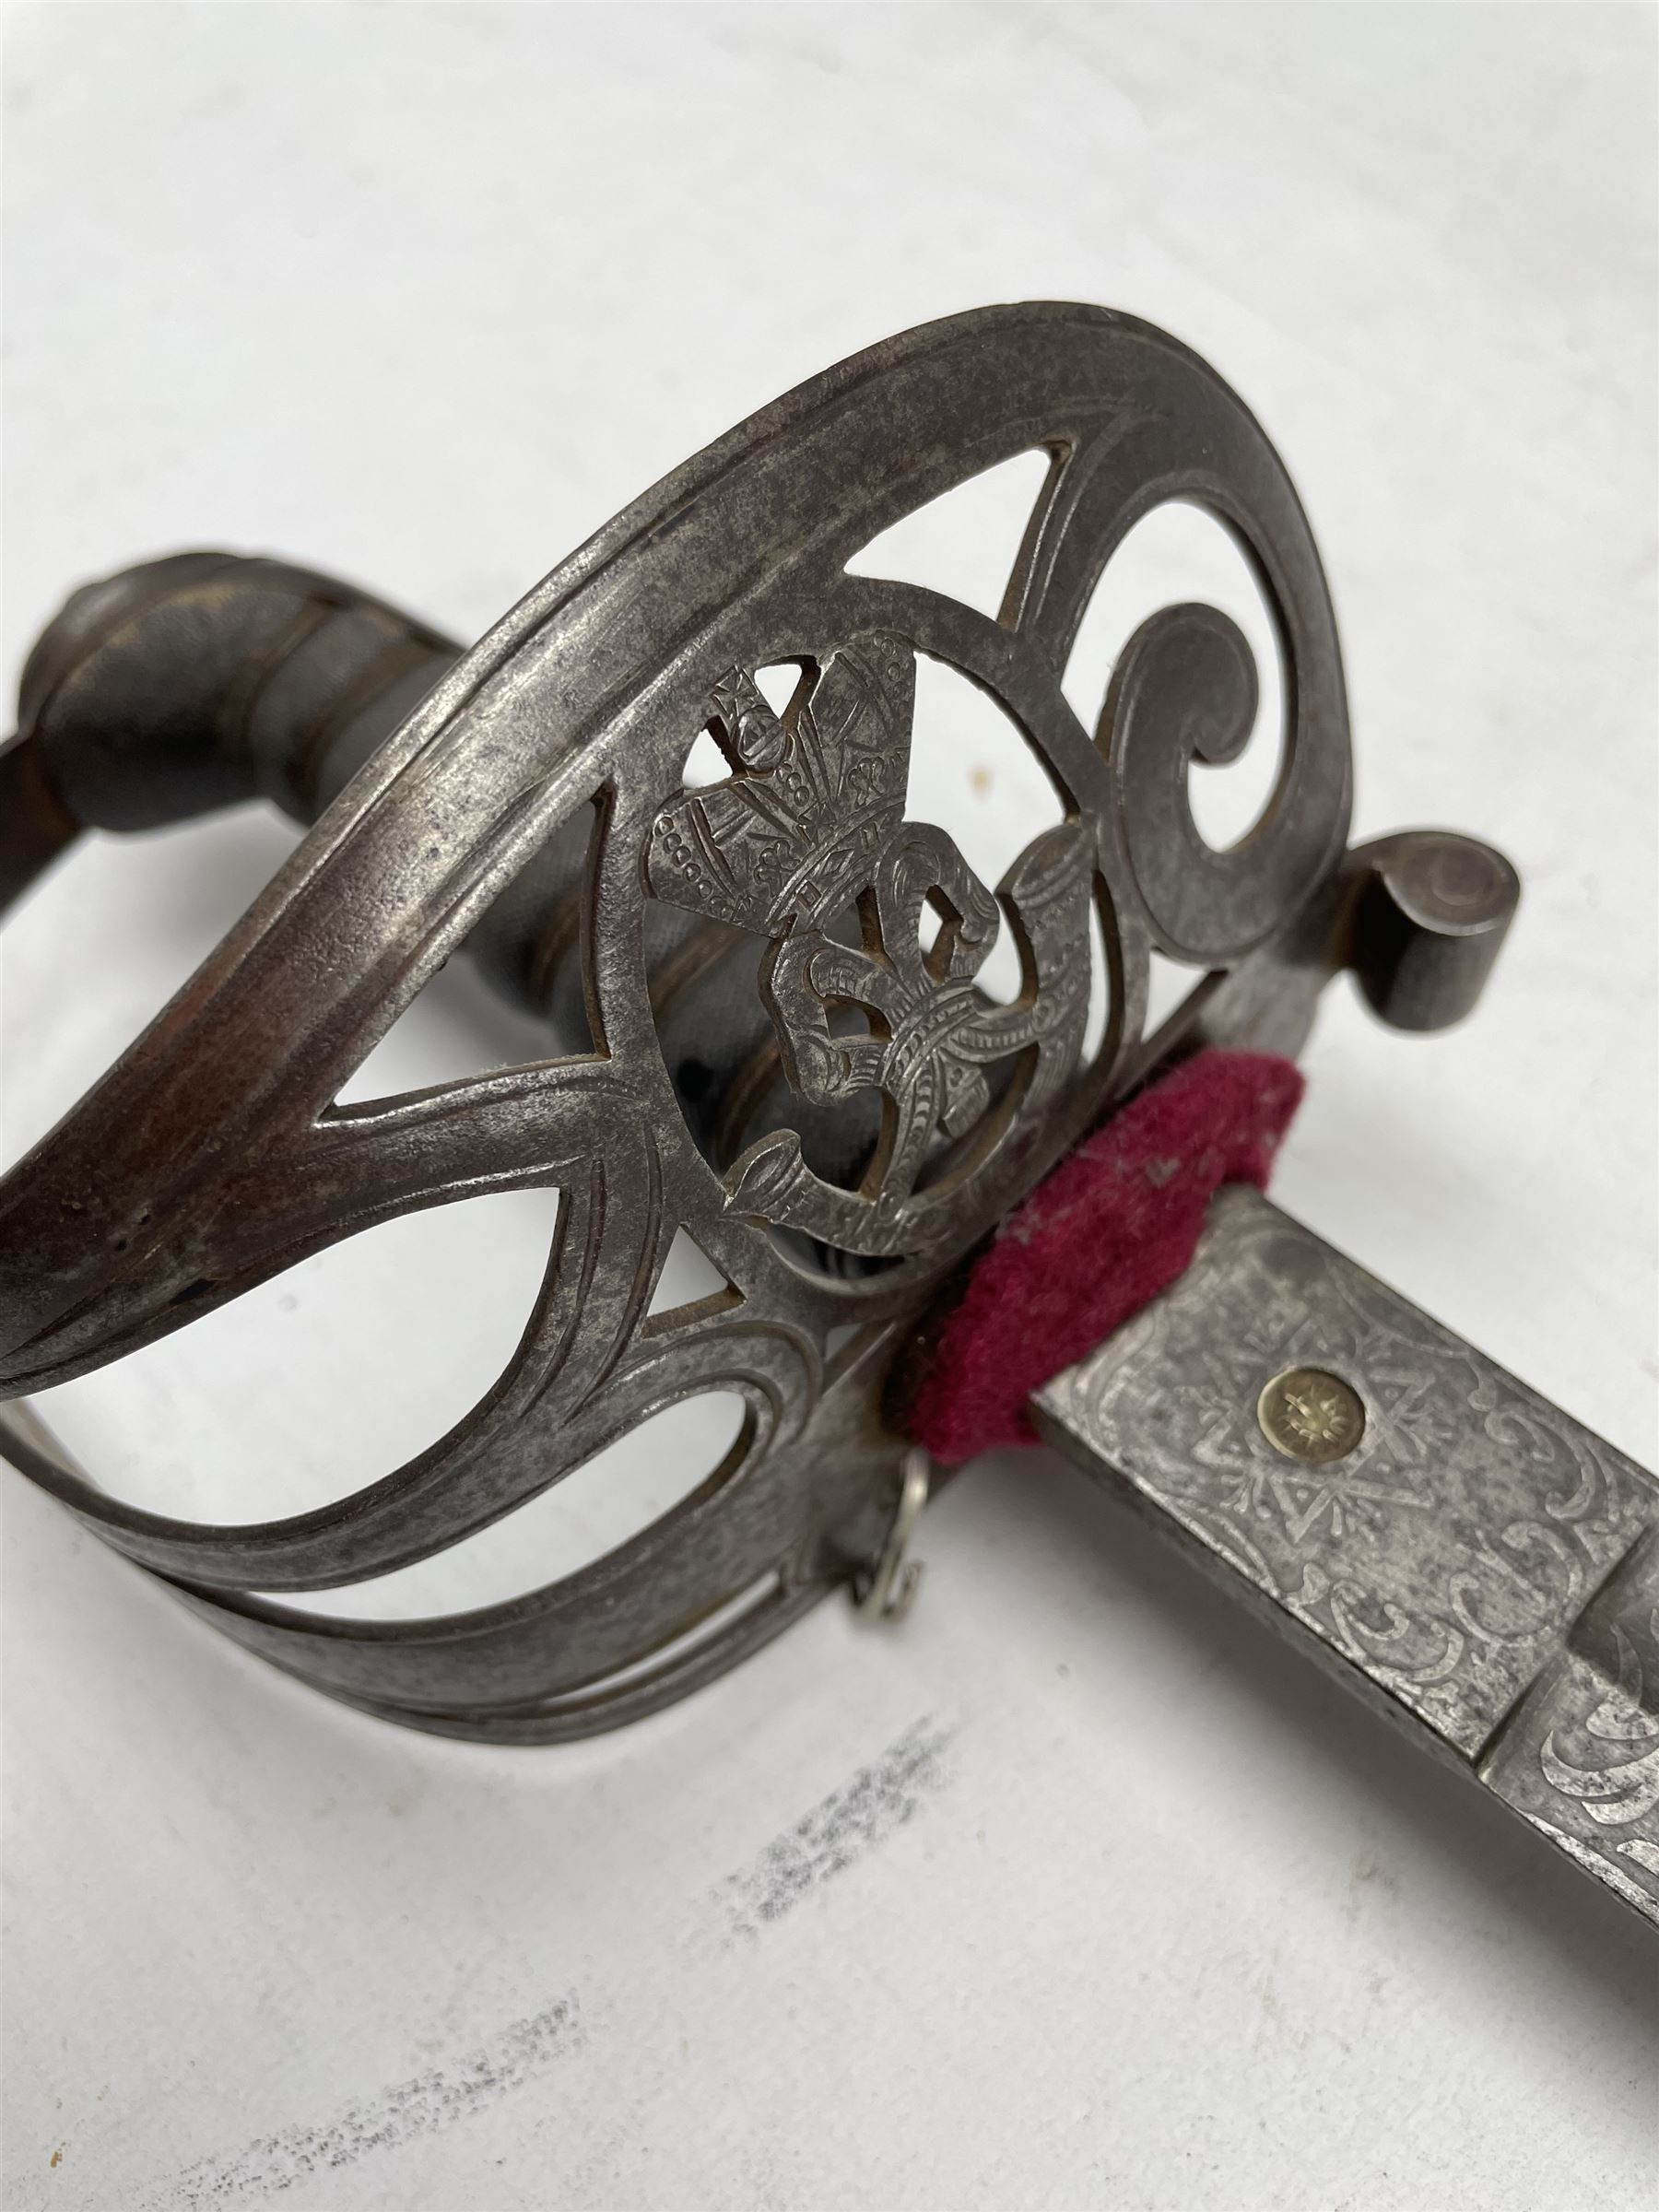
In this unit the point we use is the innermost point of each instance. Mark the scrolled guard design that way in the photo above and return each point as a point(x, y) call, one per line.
point(590, 691)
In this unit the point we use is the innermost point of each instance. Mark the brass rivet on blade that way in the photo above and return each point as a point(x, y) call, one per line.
point(1309, 1414)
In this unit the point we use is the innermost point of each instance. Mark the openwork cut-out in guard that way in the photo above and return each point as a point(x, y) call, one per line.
point(942, 1217)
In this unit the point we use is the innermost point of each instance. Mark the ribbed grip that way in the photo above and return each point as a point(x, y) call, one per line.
point(191, 683)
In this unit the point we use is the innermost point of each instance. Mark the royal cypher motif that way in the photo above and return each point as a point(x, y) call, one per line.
point(811, 824)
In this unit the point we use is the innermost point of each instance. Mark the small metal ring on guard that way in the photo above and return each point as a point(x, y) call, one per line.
point(887, 1591)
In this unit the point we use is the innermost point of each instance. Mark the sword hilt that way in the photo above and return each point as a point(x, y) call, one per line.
point(1463, 1552)
point(533, 806)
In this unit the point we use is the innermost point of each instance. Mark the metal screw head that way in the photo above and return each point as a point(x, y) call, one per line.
point(1309, 1414)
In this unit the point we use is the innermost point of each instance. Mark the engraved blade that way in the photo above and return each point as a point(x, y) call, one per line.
point(1454, 1547)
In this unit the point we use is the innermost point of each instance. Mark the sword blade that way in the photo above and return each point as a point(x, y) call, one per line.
point(1462, 1553)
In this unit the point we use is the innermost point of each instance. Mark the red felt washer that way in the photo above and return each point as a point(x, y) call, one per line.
point(1113, 1225)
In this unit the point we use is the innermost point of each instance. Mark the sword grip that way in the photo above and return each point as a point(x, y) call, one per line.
point(197, 682)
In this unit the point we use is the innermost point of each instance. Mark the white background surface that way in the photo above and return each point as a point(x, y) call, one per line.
point(1138, 1913)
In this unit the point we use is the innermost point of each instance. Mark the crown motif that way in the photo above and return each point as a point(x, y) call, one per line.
point(814, 797)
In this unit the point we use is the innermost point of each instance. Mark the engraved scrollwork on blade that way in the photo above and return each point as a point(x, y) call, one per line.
point(1606, 1758)
point(810, 824)
point(1579, 1755)
point(1446, 1556)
